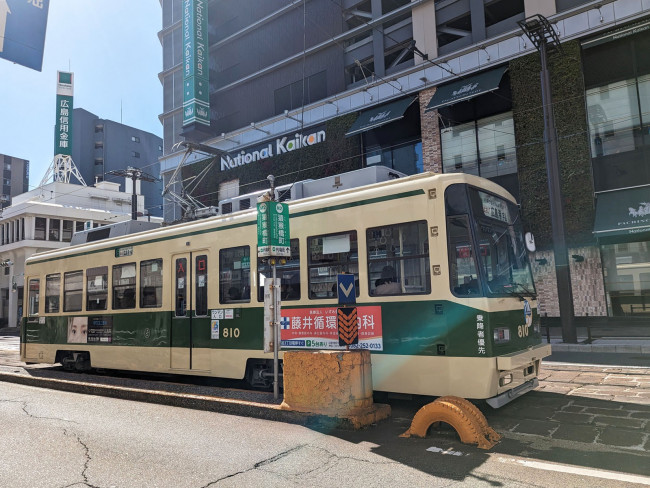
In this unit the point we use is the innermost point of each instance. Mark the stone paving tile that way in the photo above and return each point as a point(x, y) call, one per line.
point(573, 409)
point(620, 380)
point(641, 414)
point(573, 418)
point(618, 422)
point(578, 433)
point(590, 378)
point(622, 438)
point(536, 427)
point(612, 412)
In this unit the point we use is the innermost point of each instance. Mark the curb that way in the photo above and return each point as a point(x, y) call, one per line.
point(226, 406)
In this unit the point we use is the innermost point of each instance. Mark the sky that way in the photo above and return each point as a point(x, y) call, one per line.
point(112, 48)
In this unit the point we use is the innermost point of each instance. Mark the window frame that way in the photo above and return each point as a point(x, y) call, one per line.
point(157, 286)
point(69, 292)
point(123, 287)
point(341, 265)
point(48, 280)
point(398, 260)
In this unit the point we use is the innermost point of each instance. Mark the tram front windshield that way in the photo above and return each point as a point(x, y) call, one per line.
point(502, 256)
point(486, 245)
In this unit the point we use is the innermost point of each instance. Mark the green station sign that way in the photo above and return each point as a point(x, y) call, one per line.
point(273, 235)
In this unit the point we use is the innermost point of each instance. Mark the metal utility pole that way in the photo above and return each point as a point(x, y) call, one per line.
point(276, 318)
point(135, 174)
point(543, 36)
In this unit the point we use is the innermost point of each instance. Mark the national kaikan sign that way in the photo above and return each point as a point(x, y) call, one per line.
point(316, 328)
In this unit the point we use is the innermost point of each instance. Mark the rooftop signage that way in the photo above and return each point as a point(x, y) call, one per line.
point(196, 78)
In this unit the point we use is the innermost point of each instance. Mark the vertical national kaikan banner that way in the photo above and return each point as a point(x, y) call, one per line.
point(196, 77)
point(63, 125)
point(316, 328)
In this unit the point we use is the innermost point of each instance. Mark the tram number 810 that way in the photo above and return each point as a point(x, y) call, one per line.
point(230, 332)
point(523, 330)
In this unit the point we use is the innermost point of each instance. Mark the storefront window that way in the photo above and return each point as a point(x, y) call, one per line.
point(484, 147)
point(626, 270)
point(613, 118)
point(405, 158)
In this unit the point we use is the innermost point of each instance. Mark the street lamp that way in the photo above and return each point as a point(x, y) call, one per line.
point(541, 33)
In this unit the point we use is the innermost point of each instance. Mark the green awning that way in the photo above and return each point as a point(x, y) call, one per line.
point(383, 114)
point(623, 213)
point(466, 88)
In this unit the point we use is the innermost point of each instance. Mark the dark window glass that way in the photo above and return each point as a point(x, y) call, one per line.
point(181, 287)
point(329, 256)
point(234, 275)
point(151, 283)
point(201, 288)
point(34, 287)
point(124, 286)
point(398, 259)
point(55, 230)
point(289, 274)
point(72, 291)
point(52, 293)
point(67, 230)
point(462, 261)
point(97, 288)
point(40, 225)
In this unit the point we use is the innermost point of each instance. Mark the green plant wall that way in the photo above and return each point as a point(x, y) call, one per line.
point(337, 154)
point(568, 93)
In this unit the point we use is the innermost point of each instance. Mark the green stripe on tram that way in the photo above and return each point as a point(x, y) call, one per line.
point(430, 328)
point(306, 213)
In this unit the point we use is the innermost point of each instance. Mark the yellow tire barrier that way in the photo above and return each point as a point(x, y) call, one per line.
point(467, 420)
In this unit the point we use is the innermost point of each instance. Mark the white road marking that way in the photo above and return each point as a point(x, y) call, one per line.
point(448, 452)
point(594, 473)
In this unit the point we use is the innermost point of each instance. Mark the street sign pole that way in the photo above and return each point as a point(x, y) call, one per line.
point(276, 319)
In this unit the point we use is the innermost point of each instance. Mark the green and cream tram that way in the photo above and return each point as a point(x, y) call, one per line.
point(445, 293)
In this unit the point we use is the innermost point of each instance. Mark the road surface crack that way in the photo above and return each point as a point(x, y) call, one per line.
point(88, 458)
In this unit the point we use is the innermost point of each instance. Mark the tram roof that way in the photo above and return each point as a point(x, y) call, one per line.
point(243, 217)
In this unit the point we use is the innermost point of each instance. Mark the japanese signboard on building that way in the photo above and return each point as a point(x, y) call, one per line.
point(63, 125)
point(196, 78)
point(273, 236)
point(317, 328)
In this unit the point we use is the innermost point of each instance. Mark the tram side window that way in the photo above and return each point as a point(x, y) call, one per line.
point(181, 287)
point(289, 274)
point(34, 287)
point(151, 283)
point(123, 286)
point(72, 291)
point(329, 256)
point(398, 259)
point(97, 288)
point(52, 293)
point(234, 275)
point(462, 261)
point(201, 288)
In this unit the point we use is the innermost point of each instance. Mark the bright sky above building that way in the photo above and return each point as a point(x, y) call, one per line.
point(112, 48)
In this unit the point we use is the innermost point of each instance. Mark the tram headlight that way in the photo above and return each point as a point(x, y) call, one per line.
point(501, 335)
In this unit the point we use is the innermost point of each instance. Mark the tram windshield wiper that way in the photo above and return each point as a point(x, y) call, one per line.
point(511, 288)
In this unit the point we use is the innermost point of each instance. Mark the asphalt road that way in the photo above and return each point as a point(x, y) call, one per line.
point(56, 439)
point(585, 425)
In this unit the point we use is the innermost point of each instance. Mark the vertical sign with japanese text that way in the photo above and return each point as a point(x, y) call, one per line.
point(273, 234)
point(63, 125)
point(196, 78)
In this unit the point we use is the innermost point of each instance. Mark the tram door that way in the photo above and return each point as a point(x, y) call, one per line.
point(190, 322)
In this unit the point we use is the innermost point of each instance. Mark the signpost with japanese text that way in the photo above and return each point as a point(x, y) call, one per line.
point(273, 230)
point(22, 31)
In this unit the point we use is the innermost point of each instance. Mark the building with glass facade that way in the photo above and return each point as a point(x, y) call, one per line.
point(15, 178)
point(310, 89)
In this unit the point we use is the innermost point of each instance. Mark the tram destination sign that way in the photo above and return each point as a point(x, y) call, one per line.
point(273, 236)
point(121, 252)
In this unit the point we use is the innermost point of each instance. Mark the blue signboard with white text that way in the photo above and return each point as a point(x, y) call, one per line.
point(22, 31)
